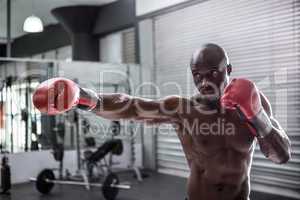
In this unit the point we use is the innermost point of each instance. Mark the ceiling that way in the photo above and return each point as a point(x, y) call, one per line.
point(20, 9)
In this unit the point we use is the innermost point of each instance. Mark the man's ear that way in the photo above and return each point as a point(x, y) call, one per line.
point(229, 69)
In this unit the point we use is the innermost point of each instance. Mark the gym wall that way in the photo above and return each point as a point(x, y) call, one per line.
point(118, 47)
point(62, 53)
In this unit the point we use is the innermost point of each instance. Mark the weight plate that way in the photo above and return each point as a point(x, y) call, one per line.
point(118, 148)
point(110, 193)
point(41, 184)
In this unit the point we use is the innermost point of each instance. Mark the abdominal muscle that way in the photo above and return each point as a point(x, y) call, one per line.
point(219, 164)
point(219, 177)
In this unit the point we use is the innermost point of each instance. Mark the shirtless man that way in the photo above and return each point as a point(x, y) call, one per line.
point(219, 158)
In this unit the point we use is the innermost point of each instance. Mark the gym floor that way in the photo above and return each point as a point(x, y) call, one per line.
point(156, 186)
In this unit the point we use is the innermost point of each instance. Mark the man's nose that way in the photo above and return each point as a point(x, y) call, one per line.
point(204, 82)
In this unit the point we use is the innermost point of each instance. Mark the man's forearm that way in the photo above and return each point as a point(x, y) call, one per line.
point(275, 146)
point(115, 106)
point(273, 140)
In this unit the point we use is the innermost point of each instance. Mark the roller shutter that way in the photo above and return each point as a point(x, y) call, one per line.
point(262, 39)
point(129, 46)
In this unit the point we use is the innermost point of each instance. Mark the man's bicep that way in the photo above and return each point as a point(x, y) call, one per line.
point(266, 104)
point(268, 108)
point(161, 108)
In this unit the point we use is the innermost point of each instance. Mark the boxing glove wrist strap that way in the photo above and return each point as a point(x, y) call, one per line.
point(88, 99)
point(262, 123)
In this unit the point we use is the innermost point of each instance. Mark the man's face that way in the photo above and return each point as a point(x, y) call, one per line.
point(210, 80)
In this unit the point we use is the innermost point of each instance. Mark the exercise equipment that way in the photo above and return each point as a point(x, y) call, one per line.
point(5, 176)
point(110, 193)
point(46, 181)
point(43, 184)
point(115, 146)
point(101, 159)
point(22, 127)
point(2, 115)
point(124, 86)
point(58, 141)
point(9, 82)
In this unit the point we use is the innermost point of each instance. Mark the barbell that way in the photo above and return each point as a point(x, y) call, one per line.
point(45, 182)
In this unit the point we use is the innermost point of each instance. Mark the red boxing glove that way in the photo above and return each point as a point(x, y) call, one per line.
point(242, 94)
point(58, 95)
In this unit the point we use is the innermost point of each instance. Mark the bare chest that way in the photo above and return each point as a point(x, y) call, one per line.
point(210, 133)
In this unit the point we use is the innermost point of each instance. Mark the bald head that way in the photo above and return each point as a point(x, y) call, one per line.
point(210, 55)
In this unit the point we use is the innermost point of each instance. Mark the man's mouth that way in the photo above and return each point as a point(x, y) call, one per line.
point(207, 91)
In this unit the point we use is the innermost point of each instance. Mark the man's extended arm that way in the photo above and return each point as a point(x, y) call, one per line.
point(123, 106)
point(59, 95)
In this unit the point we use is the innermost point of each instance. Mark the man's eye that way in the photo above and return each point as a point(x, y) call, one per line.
point(214, 73)
point(197, 75)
